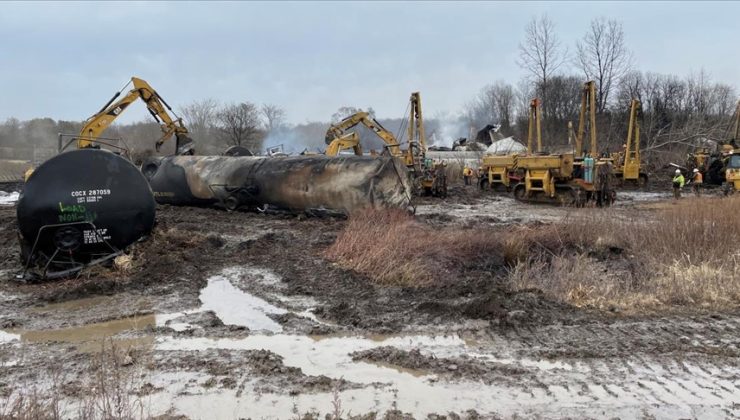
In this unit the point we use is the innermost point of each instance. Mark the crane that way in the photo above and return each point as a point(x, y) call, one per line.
point(157, 107)
point(568, 178)
point(628, 161)
point(428, 176)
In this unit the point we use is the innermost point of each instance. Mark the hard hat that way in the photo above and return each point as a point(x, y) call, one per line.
point(678, 171)
point(696, 170)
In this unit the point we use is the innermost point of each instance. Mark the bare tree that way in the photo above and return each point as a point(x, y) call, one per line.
point(200, 115)
point(541, 54)
point(201, 119)
point(274, 116)
point(493, 105)
point(603, 57)
point(239, 125)
point(346, 111)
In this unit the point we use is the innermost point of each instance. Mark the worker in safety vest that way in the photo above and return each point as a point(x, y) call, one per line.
point(467, 174)
point(696, 182)
point(678, 182)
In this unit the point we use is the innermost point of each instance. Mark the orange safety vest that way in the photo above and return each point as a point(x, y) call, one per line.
point(698, 178)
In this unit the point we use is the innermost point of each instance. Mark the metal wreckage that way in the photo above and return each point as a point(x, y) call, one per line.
point(86, 206)
point(318, 183)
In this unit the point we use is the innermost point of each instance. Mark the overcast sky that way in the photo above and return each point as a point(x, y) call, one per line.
point(65, 60)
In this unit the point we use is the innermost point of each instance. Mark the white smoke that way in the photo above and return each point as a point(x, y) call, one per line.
point(296, 139)
point(446, 129)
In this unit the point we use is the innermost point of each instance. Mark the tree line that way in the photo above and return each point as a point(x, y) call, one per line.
point(677, 112)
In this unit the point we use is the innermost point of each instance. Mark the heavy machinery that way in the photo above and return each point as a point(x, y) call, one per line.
point(85, 206)
point(338, 139)
point(627, 163)
point(732, 165)
point(570, 178)
point(428, 177)
point(155, 104)
point(346, 141)
point(500, 171)
point(719, 166)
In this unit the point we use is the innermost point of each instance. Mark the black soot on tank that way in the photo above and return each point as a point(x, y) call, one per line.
point(80, 207)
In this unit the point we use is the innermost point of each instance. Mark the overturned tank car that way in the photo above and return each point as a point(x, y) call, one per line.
point(79, 208)
point(299, 183)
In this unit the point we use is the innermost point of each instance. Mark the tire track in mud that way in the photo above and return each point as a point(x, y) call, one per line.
point(674, 361)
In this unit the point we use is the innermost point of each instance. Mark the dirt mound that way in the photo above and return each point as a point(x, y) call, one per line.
point(451, 368)
point(527, 307)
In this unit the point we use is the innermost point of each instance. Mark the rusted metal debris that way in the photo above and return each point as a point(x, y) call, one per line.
point(298, 183)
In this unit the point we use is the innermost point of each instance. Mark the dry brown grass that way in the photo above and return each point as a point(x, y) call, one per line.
point(391, 248)
point(107, 389)
point(687, 254)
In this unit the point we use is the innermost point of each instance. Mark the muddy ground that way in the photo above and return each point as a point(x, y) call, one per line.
point(238, 315)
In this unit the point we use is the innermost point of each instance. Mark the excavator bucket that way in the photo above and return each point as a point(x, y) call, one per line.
point(184, 145)
point(298, 183)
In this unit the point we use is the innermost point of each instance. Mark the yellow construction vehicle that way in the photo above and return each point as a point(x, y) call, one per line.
point(719, 166)
point(732, 162)
point(429, 177)
point(569, 178)
point(627, 163)
point(94, 126)
point(338, 139)
point(346, 141)
point(500, 171)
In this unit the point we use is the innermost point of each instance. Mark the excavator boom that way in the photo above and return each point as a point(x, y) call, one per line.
point(339, 129)
point(157, 107)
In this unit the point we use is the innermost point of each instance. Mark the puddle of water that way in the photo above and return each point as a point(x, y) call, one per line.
point(166, 320)
point(417, 373)
point(6, 337)
point(90, 337)
point(236, 307)
point(410, 390)
point(73, 305)
point(328, 356)
point(9, 199)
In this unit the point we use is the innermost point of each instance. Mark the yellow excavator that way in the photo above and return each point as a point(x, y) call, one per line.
point(569, 178)
point(338, 139)
point(719, 166)
point(428, 177)
point(627, 162)
point(94, 126)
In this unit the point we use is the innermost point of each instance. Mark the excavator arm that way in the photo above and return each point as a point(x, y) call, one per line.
point(347, 141)
point(157, 107)
point(336, 131)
